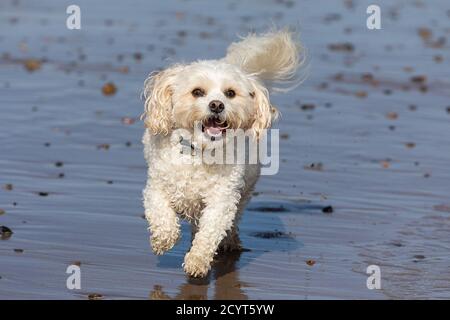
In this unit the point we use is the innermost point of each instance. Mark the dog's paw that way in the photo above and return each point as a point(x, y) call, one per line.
point(163, 241)
point(196, 265)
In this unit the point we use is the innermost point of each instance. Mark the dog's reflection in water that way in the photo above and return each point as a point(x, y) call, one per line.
point(227, 283)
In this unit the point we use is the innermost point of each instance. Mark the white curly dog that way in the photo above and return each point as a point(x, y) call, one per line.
point(230, 93)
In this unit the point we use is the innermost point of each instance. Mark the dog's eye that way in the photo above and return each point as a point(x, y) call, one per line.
point(197, 92)
point(230, 93)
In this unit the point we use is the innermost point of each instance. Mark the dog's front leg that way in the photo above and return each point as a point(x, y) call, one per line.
point(163, 220)
point(217, 218)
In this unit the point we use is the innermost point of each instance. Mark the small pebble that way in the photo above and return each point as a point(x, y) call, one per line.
point(104, 146)
point(423, 88)
point(438, 58)
point(425, 33)
point(95, 296)
point(328, 209)
point(315, 166)
point(346, 47)
point(310, 262)
point(419, 79)
point(308, 107)
point(137, 56)
point(124, 69)
point(361, 94)
point(32, 65)
point(367, 77)
point(109, 89)
point(392, 115)
point(5, 232)
point(128, 120)
point(385, 164)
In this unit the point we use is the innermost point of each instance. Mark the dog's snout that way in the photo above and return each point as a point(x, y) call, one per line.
point(216, 106)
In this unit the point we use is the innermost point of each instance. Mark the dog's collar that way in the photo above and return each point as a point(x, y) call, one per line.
point(187, 146)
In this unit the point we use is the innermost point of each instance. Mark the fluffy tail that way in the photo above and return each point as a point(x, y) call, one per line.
point(273, 57)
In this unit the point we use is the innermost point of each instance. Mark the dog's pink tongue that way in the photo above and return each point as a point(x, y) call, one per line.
point(213, 131)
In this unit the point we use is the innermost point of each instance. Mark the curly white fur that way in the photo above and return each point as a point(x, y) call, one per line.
point(274, 57)
point(210, 196)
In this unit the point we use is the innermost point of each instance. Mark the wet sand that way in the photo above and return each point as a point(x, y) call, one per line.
point(367, 133)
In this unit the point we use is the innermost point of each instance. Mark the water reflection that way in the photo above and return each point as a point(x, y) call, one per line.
point(224, 278)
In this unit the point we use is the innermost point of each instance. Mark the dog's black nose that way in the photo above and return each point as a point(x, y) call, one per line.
point(216, 106)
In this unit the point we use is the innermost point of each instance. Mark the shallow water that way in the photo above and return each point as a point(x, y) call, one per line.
point(384, 163)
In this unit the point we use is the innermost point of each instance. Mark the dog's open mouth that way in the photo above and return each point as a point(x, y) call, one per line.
point(214, 127)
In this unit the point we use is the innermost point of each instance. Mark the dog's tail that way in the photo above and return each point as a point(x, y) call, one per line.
point(274, 57)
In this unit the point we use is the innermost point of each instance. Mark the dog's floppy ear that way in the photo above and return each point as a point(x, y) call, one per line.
point(158, 100)
point(265, 113)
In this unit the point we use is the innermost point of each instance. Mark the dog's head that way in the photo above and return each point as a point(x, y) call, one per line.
point(214, 94)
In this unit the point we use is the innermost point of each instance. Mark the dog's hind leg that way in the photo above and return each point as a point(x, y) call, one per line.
point(163, 220)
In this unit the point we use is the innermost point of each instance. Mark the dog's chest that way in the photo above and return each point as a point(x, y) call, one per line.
point(188, 187)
